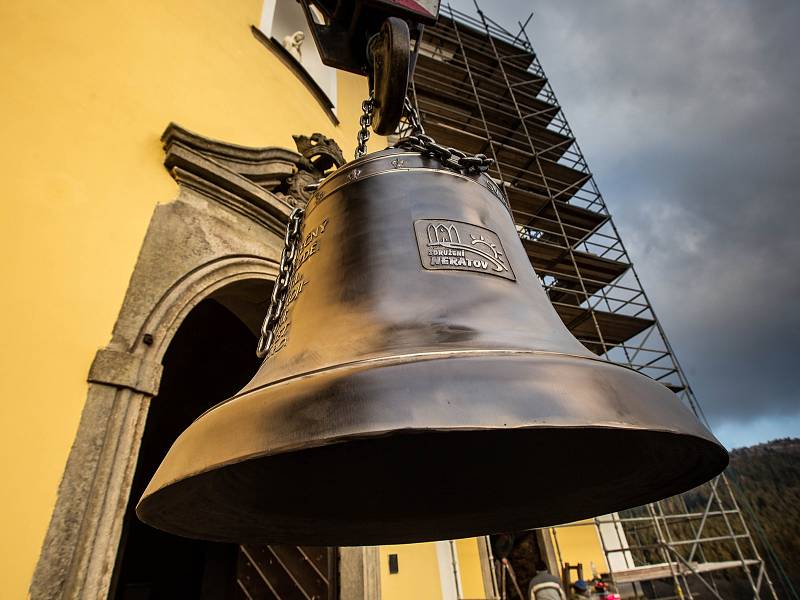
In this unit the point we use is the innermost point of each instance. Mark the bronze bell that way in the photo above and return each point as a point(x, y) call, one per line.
point(422, 387)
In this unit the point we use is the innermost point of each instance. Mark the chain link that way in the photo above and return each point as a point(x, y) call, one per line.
point(418, 141)
point(451, 158)
point(413, 117)
point(291, 243)
point(367, 106)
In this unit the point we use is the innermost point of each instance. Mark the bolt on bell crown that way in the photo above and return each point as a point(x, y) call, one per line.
point(421, 386)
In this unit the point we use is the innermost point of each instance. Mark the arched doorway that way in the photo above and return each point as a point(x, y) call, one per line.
point(515, 557)
point(210, 358)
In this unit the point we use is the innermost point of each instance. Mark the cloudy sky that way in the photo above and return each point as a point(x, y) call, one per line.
point(687, 113)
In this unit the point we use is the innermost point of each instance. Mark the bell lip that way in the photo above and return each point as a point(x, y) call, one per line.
point(343, 439)
point(257, 408)
point(712, 447)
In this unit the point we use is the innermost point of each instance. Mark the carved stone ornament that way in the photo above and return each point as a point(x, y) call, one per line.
point(322, 152)
point(249, 180)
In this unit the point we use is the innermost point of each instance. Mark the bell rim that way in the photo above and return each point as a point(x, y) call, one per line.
point(344, 439)
point(685, 431)
point(720, 458)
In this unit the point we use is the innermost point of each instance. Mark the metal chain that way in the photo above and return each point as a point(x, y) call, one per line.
point(418, 141)
point(413, 117)
point(367, 106)
point(451, 158)
point(282, 281)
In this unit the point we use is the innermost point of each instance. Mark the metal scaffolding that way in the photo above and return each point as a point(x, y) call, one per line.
point(481, 88)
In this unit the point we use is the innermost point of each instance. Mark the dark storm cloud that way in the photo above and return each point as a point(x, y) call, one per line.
point(688, 115)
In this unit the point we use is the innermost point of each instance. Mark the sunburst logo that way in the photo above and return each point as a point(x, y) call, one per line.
point(462, 247)
point(479, 252)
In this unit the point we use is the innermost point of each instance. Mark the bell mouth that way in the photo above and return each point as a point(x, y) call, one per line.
point(376, 457)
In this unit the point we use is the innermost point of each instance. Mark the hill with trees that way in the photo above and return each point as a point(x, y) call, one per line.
point(766, 480)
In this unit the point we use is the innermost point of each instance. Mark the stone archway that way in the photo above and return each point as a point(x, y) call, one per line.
point(226, 225)
point(209, 359)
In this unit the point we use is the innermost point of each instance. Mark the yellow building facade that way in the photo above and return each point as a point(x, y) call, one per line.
point(89, 89)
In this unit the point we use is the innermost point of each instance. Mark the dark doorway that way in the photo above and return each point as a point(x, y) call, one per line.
point(515, 556)
point(210, 358)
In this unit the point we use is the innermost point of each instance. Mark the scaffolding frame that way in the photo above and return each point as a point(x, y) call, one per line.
point(482, 89)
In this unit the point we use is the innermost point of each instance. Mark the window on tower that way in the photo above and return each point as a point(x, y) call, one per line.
point(283, 24)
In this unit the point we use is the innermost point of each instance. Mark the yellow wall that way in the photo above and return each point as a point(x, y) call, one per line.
point(469, 566)
point(88, 87)
point(579, 543)
point(417, 576)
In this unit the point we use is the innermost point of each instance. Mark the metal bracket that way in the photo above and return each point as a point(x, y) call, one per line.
point(389, 52)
